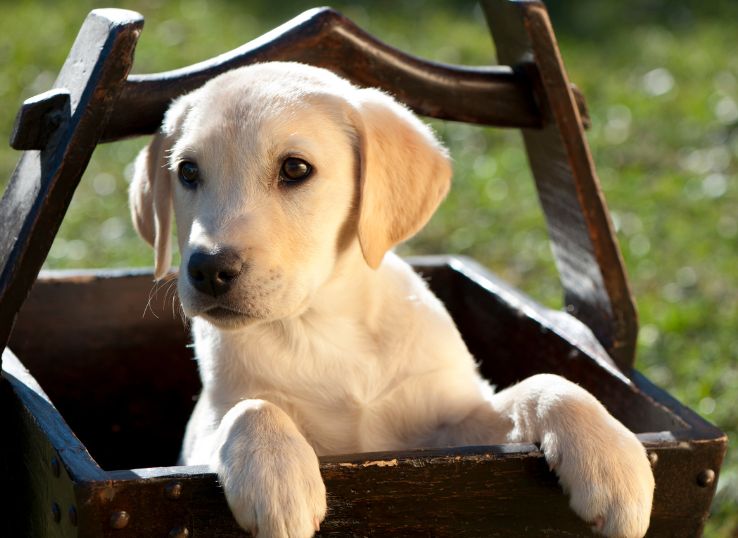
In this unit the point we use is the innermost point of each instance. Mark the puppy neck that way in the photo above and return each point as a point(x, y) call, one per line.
point(351, 290)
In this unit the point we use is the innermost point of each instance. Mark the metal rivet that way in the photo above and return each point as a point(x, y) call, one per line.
point(56, 512)
point(653, 458)
point(119, 519)
point(55, 469)
point(72, 515)
point(179, 532)
point(706, 478)
point(173, 490)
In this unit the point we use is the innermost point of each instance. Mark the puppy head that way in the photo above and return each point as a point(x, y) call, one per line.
point(274, 172)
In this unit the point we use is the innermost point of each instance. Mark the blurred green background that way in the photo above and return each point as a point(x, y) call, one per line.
point(661, 79)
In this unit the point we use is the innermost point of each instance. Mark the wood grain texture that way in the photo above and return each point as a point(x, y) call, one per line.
point(465, 491)
point(44, 461)
point(322, 37)
point(587, 255)
point(42, 184)
point(129, 359)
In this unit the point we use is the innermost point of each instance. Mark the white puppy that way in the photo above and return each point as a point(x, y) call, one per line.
point(290, 186)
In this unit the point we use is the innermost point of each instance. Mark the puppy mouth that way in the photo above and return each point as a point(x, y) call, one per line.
point(223, 312)
point(226, 317)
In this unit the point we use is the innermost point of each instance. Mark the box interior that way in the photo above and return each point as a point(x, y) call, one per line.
point(111, 351)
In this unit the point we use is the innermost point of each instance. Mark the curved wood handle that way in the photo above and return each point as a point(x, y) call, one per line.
point(486, 95)
point(531, 92)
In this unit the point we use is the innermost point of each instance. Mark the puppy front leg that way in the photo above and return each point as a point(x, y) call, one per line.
point(600, 463)
point(269, 472)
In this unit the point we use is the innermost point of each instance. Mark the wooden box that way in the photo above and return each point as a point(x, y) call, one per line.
point(95, 390)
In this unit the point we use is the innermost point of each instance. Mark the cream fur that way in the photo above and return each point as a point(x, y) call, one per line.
point(331, 348)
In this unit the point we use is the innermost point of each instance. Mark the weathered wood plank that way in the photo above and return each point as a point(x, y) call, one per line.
point(587, 256)
point(471, 491)
point(43, 461)
point(42, 184)
point(118, 341)
point(326, 38)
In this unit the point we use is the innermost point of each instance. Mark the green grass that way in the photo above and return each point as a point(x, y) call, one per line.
point(662, 86)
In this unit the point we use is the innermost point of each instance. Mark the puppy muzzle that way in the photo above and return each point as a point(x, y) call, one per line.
point(214, 274)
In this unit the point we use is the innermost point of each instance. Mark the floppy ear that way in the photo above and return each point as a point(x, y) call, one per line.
point(150, 194)
point(406, 173)
point(150, 199)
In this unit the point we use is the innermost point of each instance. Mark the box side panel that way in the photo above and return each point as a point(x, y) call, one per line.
point(513, 337)
point(38, 498)
point(459, 493)
point(686, 476)
point(445, 494)
point(504, 491)
point(114, 360)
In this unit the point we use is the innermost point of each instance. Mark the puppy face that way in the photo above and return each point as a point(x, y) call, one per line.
point(272, 184)
point(273, 172)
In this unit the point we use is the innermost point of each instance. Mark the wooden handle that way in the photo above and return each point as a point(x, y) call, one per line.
point(325, 38)
point(41, 187)
point(530, 91)
point(585, 248)
point(496, 95)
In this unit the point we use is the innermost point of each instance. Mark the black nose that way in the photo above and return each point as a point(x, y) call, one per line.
point(214, 274)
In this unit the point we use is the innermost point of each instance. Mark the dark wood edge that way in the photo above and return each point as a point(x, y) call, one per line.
point(560, 323)
point(326, 38)
point(42, 185)
point(389, 459)
point(585, 249)
point(365, 459)
point(77, 461)
point(88, 275)
point(593, 205)
point(697, 427)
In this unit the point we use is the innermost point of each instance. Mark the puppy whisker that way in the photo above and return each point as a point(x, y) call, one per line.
point(168, 284)
point(153, 292)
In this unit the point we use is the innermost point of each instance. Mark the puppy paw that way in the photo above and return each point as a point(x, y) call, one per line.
point(608, 477)
point(272, 480)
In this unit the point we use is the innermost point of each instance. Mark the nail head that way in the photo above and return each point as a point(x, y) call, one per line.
point(179, 532)
point(173, 490)
point(706, 478)
point(119, 519)
point(55, 469)
point(56, 512)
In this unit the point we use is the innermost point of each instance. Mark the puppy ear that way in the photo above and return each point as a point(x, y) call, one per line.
point(406, 173)
point(150, 199)
point(150, 194)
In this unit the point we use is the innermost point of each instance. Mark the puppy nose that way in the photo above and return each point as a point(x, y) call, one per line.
point(214, 274)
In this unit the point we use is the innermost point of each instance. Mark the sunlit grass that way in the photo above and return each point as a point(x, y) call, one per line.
point(662, 87)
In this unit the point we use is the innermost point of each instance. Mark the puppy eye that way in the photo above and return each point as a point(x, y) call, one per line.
point(189, 174)
point(294, 170)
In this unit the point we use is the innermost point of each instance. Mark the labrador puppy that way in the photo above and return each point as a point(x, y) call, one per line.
point(289, 186)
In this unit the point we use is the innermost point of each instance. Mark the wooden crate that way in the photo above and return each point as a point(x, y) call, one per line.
point(125, 383)
point(90, 454)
